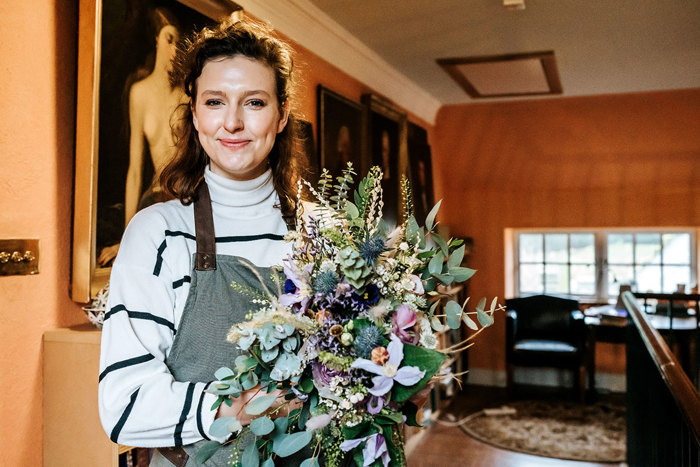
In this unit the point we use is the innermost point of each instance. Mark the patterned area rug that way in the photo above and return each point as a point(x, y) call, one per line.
point(565, 430)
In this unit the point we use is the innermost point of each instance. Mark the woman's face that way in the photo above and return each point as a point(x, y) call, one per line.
point(237, 115)
point(166, 43)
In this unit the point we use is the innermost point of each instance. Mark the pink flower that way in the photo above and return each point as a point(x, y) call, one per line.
point(404, 319)
point(417, 284)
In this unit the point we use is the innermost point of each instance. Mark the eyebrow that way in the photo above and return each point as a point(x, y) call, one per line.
point(215, 93)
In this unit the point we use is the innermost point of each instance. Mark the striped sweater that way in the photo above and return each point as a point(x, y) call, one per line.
point(140, 402)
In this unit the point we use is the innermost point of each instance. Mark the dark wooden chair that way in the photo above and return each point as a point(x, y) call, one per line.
point(545, 331)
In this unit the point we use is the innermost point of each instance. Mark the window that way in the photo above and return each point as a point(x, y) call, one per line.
point(593, 264)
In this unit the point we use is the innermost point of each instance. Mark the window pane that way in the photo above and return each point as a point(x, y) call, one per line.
point(649, 278)
point(674, 275)
point(531, 278)
point(556, 248)
point(556, 278)
point(676, 248)
point(620, 249)
point(531, 248)
point(583, 279)
point(619, 275)
point(582, 248)
point(648, 249)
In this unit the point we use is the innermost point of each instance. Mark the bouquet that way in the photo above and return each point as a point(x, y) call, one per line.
point(338, 354)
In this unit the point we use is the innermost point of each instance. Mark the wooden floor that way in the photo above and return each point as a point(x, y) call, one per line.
point(444, 446)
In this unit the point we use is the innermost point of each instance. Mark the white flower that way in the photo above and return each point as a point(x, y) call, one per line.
point(346, 404)
point(403, 246)
point(428, 340)
point(327, 266)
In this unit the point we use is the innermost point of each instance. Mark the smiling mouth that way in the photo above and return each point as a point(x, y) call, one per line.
point(234, 143)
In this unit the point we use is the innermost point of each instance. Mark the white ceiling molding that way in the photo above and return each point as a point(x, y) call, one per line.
point(306, 24)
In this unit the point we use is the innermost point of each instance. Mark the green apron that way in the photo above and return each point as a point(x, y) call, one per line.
point(212, 308)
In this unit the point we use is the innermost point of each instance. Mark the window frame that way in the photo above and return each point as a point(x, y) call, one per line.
point(600, 259)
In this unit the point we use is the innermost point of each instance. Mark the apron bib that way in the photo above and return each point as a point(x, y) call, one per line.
point(212, 307)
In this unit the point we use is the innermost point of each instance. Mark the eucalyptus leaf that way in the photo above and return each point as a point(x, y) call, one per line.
point(484, 318)
point(310, 462)
point(262, 426)
point(250, 381)
point(206, 451)
point(444, 278)
point(436, 324)
point(469, 322)
point(494, 303)
point(433, 307)
point(287, 445)
point(224, 426)
point(429, 284)
point(439, 241)
point(351, 211)
point(453, 312)
point(268, 462)
point(412, 229)
point(269, 355)
point(281, 425)
point(259, 405)
point(246, 341)
point(461, 274)
point(430, 218)
point(223, 373)
point(435, 265)
point(290, 344)
point(250, 457)
point(481, 305)
point(456, 257)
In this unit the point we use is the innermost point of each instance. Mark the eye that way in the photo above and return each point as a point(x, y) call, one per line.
point(256, 103)
point(213, 102)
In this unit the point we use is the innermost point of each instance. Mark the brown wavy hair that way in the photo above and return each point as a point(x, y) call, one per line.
point(183, 174)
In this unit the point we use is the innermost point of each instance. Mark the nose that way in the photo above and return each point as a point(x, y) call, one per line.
point(233, 120)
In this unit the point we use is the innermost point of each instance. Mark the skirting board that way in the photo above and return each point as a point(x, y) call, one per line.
point(543, 377)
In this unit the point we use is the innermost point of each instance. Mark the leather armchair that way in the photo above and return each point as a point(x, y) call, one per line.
point(545, 331)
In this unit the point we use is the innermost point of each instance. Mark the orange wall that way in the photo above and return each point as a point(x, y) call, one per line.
point(603, 161)
point(37, 95)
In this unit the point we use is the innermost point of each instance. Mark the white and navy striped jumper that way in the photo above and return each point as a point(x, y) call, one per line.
point(140, 403)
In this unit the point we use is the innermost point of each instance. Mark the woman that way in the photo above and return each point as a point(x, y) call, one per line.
point(171, 302)
point(153, 97)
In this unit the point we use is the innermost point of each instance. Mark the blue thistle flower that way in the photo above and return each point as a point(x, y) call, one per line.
point(326, 282)
point(367, 339)
point(372, 248)
point(289, 286)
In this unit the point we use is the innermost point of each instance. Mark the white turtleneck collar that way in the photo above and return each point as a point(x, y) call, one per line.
point(238, 193)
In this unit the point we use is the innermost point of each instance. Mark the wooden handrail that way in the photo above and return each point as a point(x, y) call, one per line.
point(681, 388)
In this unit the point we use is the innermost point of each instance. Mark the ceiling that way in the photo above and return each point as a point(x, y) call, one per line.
point(601, 46)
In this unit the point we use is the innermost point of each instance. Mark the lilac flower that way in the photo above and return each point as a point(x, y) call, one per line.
point(375, 448)
point(323, 375)
point(390, 372)
point(404, 319)
point(375, 404)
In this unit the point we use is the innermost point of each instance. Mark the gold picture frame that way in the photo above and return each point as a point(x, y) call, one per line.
point(87, 278)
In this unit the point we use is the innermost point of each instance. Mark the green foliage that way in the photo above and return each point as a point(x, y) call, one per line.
point(206, 451)
point(262, 426)
point(287, 444)
point(426, 359)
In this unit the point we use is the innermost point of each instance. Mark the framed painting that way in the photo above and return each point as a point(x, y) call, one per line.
point(386, 142)
point(421, 171)
point(125, 106)
point(340, 132)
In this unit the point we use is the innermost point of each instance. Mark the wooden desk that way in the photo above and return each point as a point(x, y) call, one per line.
point(683, 335)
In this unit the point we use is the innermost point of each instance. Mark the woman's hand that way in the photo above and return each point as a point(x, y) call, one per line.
point(107, 254)
point(281, 407)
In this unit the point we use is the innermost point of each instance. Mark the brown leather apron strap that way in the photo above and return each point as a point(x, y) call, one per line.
point(175, 454)
point(205, 258)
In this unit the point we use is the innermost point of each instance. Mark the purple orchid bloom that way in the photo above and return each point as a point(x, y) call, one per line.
point(404, 319)
point(375, 448)
point(390, 372)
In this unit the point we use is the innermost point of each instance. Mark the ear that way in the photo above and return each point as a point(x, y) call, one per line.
point(283, 118)
point(195, 122)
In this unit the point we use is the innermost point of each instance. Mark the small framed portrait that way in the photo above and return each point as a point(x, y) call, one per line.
point(126, 109)
point(340, 132)
point(421, 172)
point(387, 149)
